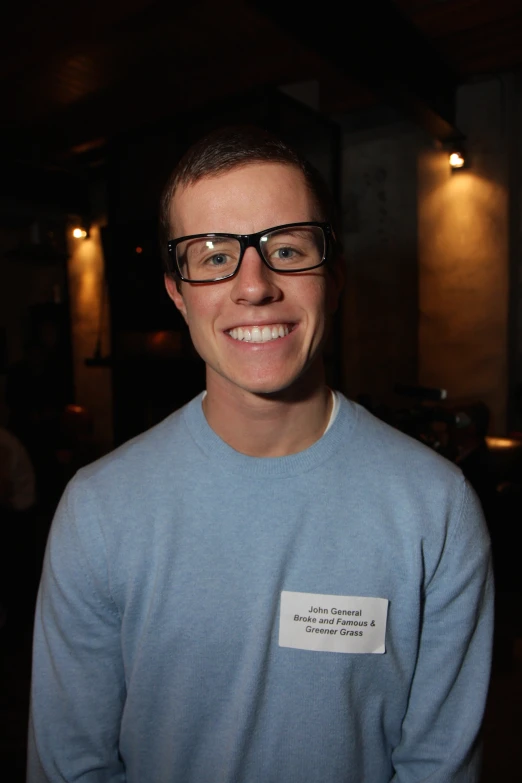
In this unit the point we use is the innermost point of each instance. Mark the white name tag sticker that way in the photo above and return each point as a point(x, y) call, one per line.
point(333, 623)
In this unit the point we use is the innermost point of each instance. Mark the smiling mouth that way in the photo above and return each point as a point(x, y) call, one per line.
point(259, 334)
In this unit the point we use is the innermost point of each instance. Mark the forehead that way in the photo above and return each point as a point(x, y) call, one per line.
point(244, 200)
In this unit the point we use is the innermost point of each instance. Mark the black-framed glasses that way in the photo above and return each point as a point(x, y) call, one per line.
point(293, 247)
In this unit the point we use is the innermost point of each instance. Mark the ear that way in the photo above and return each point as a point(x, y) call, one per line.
point(171, 284)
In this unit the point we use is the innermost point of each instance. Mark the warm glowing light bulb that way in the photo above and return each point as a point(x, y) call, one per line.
point(456, 160)
point(79, 233)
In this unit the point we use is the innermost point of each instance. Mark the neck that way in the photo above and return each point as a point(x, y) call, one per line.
point(268, 425)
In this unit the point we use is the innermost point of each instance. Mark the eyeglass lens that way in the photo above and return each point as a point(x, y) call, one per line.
point(290, 249)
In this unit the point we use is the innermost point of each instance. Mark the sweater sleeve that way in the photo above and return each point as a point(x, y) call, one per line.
point(439, 740)
point(78, 686)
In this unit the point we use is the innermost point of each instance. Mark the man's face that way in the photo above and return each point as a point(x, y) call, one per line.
point(246, 200)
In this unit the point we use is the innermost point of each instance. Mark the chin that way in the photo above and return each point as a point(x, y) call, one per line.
point(265, 389)
point(270, 387)
point(253, 385)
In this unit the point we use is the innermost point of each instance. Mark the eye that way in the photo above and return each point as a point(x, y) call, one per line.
point(285, 253)
point(219, 259)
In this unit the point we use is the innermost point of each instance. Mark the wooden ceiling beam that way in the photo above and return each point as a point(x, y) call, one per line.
point(488, 48)
point(438, 20)
point(44, 30)
point(380, 48)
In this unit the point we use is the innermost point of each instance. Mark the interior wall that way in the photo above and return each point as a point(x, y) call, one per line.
point(513, 84)
point(89, 310)
point(464, 258)
point(380, 302)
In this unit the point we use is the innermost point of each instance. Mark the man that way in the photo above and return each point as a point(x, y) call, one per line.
point(17, 479)
point(270, 585)
point(17, 498)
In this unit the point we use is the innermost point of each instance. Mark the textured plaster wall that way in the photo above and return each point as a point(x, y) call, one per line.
point(380, 302)
point(464, 258)
point(86, 292)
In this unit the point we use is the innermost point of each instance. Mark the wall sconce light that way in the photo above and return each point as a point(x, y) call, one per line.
point(457, 160)
point(458, 157)
point(80, 232)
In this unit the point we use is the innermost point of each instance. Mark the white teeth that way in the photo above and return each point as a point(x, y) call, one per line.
point(259, 334)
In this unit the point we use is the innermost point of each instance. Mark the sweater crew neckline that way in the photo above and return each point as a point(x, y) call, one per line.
point(219, 452)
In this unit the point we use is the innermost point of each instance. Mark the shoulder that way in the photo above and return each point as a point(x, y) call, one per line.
point(417, 495)
point(398, 469)
point(378, 441)
point(13, 451)
point(113, 501)
point(10, 443)
point(156, 449)
point(137, 475)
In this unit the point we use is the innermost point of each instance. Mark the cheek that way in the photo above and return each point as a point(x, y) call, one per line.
point(315, 300)
point(321, 300)
point(201, 314)
point(198, 333)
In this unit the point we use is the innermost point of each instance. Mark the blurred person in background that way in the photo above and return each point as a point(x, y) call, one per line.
point(17, 499)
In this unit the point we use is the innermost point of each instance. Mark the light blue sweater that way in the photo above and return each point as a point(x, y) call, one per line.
point(157, 655)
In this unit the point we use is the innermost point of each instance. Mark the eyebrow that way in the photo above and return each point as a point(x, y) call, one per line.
point(295, 232)
point(218, 240)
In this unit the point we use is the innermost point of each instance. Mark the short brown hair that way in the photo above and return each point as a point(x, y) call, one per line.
point(230, 147)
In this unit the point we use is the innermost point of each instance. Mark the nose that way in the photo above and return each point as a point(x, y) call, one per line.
point(254, 282)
